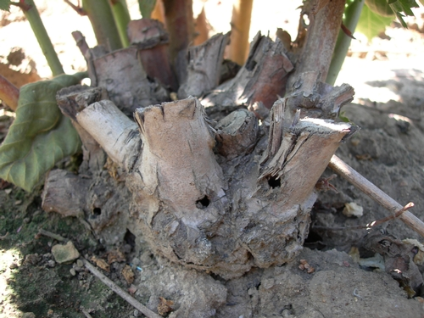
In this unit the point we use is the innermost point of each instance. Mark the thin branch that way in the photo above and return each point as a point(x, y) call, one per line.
point(369, 225)
point(86, 313)
point(51, 235)
point(143, 309)
point(78, 9)
point(375, 193)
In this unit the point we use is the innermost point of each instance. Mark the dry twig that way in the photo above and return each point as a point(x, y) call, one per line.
point(143, 309)
point(375, 193)
point(51, 235)
point(369, 225)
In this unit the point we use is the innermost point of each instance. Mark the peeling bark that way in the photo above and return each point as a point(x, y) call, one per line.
point(121, 74)
point(204, 66)
point(220, 196)
point(247, 207)
point(152, 40)
point(126, 82)
point(325, 21)
point(261, 79)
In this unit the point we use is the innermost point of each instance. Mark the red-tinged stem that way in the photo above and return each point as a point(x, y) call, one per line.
point(179, 22)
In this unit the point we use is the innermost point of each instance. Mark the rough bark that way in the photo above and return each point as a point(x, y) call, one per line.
point(204, 66)
point(126, 82)
point(325, 21)
point(97, 195)
point(152, 40)
point(261, 79)
point(222, 213)
point(220, 196)
point(123, 77)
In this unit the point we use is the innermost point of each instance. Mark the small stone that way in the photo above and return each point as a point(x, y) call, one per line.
point(13, 265)
point(136, 313)
point(27, 220)
point(80, 263)
point(353, 209)
point(49, 312)
point(135, 261)
point(355, 141)
point(8, 191)
point(268, 283)
point(72, 271)
point(17, 202)
point(28, 315)
point(65, 253)
point(132, 289)
point(51, 263)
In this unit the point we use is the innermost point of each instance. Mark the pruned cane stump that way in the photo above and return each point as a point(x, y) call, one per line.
point(222, 199)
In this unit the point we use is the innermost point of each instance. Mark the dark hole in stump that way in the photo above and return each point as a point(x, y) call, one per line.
point(203, 202)
point(129, 239)
point(97, 211)
point(274, 182)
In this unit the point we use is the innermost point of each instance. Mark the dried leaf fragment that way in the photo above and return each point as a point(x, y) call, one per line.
point(100, 262)
point(164, 306)
point(128, 274)
point(115, 256)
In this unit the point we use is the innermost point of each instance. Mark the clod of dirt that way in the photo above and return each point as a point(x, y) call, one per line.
point(32, 259)
point(64, 253)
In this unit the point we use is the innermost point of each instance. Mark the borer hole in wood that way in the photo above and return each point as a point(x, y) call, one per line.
point(274, 182)
point(203, 202)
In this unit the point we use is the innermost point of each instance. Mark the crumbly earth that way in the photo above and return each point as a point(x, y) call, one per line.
point(388, 150)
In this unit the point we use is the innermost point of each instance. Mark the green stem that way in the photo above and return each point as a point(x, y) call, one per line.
point(352, 14)
point(31, 13)
point(103, 23)
point(122, 18)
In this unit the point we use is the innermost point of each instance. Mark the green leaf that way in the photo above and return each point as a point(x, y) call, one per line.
point(371, 24)
point(343, 117)
point(146, 7)
point(40, 135)
point(4, 5)
point(402, 8)
point(381, 7)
